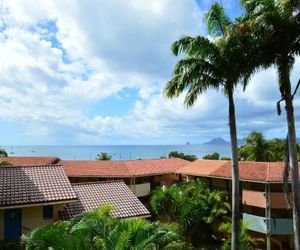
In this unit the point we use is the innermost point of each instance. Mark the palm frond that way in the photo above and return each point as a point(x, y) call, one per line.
point(217, 20)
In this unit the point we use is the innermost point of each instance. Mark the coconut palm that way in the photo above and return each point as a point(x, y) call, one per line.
point(256, 148)
point(276, 25)
point(218, 64)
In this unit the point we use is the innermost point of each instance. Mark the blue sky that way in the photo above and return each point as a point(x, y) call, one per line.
point(92, 72)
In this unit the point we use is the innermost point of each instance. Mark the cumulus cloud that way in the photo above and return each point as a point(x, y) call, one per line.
point(61, 59)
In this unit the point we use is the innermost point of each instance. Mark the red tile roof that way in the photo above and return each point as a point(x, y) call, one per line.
point(201, 167)
point(30, 160)
point(123, 168)
point(251, 171)
point(93, 195)
point(22, 185)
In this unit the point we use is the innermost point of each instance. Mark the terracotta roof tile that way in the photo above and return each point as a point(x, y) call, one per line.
point(94, 195)
point(34, 184)
point(123, 168)
point(96, 168)
point(201, 167)
point(30, 160)
point(155, 166)
point(248, 170)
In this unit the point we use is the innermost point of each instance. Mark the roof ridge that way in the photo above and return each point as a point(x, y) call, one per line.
point(26, 166)
point(96, 182)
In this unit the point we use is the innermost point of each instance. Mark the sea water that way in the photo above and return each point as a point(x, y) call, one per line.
point(118, 152)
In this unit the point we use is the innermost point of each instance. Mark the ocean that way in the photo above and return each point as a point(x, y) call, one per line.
point(122, 152)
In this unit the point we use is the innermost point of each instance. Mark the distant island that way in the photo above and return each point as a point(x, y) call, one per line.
point(221, 141)
point(217, 140)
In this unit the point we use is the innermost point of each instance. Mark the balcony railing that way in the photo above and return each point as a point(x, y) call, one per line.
point(278, 226)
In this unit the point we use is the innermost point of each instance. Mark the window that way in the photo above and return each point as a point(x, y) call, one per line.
point(48, 212)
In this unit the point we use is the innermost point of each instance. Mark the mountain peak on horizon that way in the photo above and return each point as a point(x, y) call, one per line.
point(217, 140)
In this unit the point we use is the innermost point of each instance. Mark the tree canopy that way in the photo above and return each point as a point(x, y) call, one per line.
point(257, 148)
point(213, 156)
point(176, 154)
point(98, 230)
point(3, 152)
point(195, 208)
point(103, 156)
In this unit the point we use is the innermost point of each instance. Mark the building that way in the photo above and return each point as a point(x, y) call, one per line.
point(92, 195)
point(263, 202)
point(141, 176)
point(31, 196)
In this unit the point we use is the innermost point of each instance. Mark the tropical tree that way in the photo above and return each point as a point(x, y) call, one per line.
point(98, 230)
point(213, 156)
point(3, 152)
point(197, 218)
point(176, 154)
point(256, 148)
point(247, 242)
point(103, 156)
point(218, 64)
point(276, 24)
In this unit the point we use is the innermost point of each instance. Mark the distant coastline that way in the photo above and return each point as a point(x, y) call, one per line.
point(118, 152)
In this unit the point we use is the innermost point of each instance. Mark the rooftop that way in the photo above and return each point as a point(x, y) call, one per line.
point(93, 195)
point(30, 160)
point(24, 185)
point(248, 170)
point(123, 168)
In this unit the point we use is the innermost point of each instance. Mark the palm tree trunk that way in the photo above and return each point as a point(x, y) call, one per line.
point(294, 169)
point(235, 236)
point(284, 80)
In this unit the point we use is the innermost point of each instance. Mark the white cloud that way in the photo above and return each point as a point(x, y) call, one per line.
point(60, 58)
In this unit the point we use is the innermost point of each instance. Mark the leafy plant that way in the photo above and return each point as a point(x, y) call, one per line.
point(176, 154)
point(195, 208)
point(103, 157)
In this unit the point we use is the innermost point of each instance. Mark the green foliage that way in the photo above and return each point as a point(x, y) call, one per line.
point(225, 158)
point(176, 154)
point(256, 148)
point(98, 230)
point(246, 242)
point(217, 20)
point(197, 216)
point(5, 163)
point(213, 156)
point(3, 152)
point(103, 156)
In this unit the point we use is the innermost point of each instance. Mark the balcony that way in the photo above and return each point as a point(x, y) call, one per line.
point(258, 199)
point(279, 226)
point(141, 190)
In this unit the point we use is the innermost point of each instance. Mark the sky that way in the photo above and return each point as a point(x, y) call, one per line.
point(77, 72)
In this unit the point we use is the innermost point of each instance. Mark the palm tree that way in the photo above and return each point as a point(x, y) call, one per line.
point(218, 65)
point(103, 156)
point(276, 24)
point(256, 148)
point(98, 230)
